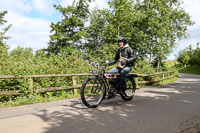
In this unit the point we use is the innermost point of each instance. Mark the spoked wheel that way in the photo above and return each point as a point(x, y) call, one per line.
point(92, 92)
point(130, 89)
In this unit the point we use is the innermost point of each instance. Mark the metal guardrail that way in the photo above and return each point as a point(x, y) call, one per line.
point(170, 74)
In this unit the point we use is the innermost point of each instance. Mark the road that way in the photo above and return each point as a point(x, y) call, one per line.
point(171, 108)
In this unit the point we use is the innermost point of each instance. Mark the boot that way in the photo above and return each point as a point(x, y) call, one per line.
point(122, 90)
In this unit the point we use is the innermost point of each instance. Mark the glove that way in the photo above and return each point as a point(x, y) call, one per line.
point(108, 64)
point(123, 62)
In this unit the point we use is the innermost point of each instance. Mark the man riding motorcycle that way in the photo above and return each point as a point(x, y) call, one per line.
point(125, 58)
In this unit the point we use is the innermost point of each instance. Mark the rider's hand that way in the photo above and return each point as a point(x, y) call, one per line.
point(123, 62)
point(108, 64)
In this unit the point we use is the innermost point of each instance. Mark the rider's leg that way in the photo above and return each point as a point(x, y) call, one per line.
point(114, 70)
point(123, 77)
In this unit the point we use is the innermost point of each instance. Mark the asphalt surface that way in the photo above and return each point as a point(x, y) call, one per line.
point(171, 108)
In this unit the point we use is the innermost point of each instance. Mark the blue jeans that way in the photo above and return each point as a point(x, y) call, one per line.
point(123, 73)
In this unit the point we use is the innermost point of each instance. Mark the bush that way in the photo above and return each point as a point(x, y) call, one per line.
point(21, 61)
point(189, 56)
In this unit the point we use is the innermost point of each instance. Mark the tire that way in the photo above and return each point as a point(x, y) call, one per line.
point(92, 92)
point(130, 89)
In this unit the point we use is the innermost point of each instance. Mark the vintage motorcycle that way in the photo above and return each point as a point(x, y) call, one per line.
point(105, 85)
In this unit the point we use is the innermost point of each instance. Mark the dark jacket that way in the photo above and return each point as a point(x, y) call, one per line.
point(126, 52)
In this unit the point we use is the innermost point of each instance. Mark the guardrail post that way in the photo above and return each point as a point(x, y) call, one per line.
point(163, 77)
point(136, 82)
point(74, 85)
point(31, 85)
point(174, 74)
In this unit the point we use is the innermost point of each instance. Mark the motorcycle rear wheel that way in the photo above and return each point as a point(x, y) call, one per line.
point(130, 89)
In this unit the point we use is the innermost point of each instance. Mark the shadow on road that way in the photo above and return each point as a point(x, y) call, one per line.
point(78, 118)
point(152, 108)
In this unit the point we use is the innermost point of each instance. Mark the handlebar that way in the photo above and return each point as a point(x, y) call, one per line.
point(97, 65)
point(100, 66)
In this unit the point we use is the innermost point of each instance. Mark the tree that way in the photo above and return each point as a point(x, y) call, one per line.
point(163, 22)
point(185, 56)
point(3, 46)
point(120, 20)
point(194, 56)
point(107, 25)
point(70, 31)
point(95, 31)
point(151, 26)
point(21, 53)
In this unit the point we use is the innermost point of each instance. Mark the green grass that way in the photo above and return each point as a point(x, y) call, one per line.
point(37, 98)
point(167, 81)
point(190, 70)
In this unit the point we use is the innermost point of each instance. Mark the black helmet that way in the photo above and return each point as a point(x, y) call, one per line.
point(123, 39)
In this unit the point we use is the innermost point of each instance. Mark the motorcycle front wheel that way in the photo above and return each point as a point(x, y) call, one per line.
point(92, 92)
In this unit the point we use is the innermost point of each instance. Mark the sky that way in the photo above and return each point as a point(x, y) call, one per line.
point(31, 21)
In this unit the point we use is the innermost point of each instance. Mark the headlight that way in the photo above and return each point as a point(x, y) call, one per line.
point(95, 64)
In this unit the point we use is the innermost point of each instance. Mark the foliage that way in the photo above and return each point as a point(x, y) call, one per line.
point(21, 61)
point(170, 65)
point(3, 46)
point(104, 52)
point(69, 31)
point(189, 56)
point(194, 69)
point(143, 67)
point(150, 26)
point(189, 60)
point(95, 32)
point(161, 23)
